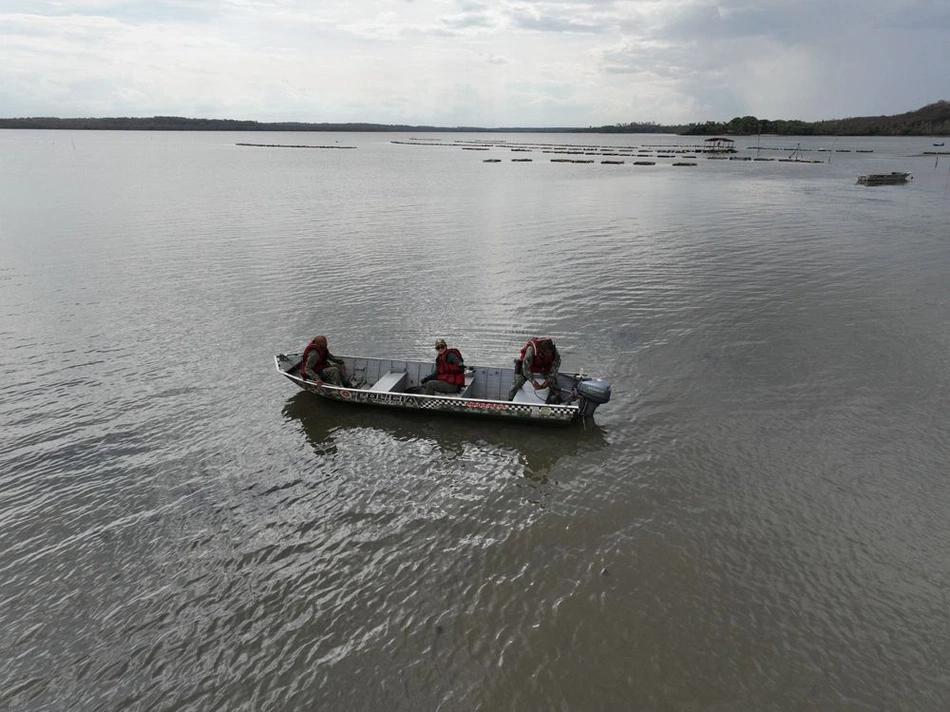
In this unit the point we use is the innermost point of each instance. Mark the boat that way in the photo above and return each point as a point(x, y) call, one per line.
point(892, 178)
point(939, 144)
point(396, 383)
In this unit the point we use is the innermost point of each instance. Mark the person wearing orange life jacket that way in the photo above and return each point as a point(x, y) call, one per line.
point(449, 374)
point(318, 364)
point(539, 357)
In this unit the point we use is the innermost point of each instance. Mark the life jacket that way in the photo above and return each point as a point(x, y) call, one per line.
point(541, 363)
point(453, 373)
point(322, 352)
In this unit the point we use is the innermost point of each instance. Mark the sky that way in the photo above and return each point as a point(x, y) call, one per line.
point(527, 63)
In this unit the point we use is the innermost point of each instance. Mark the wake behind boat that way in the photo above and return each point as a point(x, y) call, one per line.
point(393, 382)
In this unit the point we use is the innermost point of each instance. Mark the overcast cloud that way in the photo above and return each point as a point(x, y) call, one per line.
point(492, 64)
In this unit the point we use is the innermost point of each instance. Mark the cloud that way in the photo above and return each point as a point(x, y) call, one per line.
point(547, 63)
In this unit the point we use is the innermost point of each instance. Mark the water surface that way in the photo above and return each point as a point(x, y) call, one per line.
point(757, 520)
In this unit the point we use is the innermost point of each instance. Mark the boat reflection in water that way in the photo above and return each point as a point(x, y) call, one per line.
point(328, 425)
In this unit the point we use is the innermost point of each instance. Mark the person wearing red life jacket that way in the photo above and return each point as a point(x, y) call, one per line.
point(539, 357)
point(449, 374)
point(318, 364)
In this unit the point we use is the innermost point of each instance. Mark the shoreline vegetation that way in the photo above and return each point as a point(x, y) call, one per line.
point(930, 120)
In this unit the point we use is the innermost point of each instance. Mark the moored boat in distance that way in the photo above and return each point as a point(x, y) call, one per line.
point(395, 383)
point(892, 178)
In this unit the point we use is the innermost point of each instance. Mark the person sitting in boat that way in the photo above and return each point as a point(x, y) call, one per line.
point(449, 374)
point(538, 357)
point(319, 364)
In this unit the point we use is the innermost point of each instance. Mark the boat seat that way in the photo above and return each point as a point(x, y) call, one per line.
point(391, 381)
point(467, 388)
point(527, 394)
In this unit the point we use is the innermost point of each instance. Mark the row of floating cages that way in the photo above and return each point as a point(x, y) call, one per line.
point(591, 160)
point(616, 162)
point(714, 147)
point(676, 162)
point(815, 150)
point(570, 149)
point(683, 151)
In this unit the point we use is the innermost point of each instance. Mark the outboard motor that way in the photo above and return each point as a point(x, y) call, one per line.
point(593, 392)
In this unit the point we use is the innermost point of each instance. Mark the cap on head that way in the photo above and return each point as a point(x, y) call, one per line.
point(320, 340)
point(440, 342)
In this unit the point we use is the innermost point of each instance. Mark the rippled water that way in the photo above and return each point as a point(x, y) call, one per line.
point(757, 520)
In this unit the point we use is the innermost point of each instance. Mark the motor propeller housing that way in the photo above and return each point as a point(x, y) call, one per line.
point(593, 392)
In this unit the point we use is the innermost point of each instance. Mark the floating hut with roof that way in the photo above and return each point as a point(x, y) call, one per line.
point(719, 144)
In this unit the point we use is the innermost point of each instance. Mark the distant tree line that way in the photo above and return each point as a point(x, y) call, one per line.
point(931, 120)
point(750, 125)
point(637, 127)
point(179, 123)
